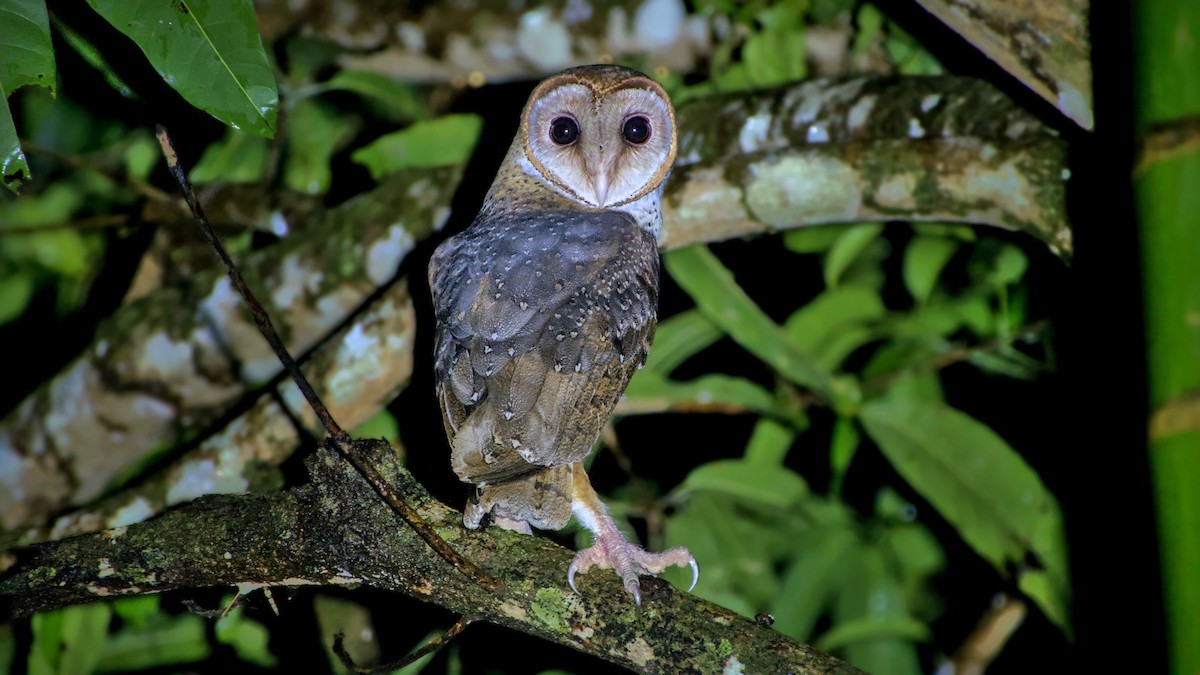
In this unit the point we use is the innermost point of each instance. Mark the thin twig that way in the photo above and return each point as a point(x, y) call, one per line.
point(424, 650)
point(352, 451)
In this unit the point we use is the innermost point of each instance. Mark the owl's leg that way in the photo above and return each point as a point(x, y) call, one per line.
point(611, 549)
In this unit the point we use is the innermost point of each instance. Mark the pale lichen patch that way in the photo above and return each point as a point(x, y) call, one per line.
point(860, 112)
point(384, 256)
point(732, 666)
point(515, 612)
point(755, 132)
point(134, 512)
point(640, 652)
point(897, 192)
point(808, 188)
point(106, 569)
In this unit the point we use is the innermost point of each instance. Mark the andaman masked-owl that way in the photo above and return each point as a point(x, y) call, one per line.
point(546, 305)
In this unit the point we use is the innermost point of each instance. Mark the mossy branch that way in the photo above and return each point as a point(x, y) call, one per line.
point(335, 531)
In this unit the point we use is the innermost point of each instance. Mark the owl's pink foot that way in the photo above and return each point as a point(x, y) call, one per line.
point(611, 549)
point(630, 561)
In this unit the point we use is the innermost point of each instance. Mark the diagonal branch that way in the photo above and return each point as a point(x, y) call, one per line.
point(335, 531)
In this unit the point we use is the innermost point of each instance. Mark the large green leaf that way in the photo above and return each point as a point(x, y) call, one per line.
point(14, 170)
point(239, 157)
point(650, 392)
point(315, 131)
point(449, 139)
point(816, 577)
point(26, 54)
point(872, 626)
point(836, 322)
point(679, 338)
point(208, 50)
point(69, 641)
point(761, 482)
point(978, 483)
point(718, 296)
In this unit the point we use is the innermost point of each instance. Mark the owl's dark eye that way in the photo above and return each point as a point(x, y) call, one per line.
point(564, 130)
point(636, 130)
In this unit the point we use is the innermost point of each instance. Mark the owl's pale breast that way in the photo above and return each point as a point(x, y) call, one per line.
point(542, 319)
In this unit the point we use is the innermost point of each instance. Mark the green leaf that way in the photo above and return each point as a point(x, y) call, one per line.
point(718, 296)
point(8, 649)
point(769, 443)
point(813, 580)
point(159, 640)
point(26, 53)
point(15, 292)
point(315, 131)
point(69, 641)
point(835, 323)
point(353, 621)
point(381, 425)
point(395, 101)
point(924, 260)
point(94, 58)
point(141, 156)
point(871, 618)
point(649, 392)
point(978, 483)
point(812, 238)
point(775, 56)
point(842, 446)
point(850, 243)
point(237, 158)
point(767, 484)
point(207, 50)
point(449, 139)
point(679, 338)
point(248, 638)
point(14, 170)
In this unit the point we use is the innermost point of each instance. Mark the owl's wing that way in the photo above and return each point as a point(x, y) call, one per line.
point(542, 320)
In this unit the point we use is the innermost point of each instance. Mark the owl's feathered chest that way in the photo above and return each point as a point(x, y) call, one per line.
point(542, 319)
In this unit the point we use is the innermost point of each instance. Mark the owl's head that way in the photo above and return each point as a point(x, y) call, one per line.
point(603, 135)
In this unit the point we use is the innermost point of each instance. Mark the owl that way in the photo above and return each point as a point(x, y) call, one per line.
point(547, 304)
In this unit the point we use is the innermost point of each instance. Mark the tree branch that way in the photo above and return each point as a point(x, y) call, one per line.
point(335, 531)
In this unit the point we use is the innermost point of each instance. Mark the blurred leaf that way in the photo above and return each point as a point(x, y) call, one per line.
point(738, 548)
point(776, 54)
point(771, 485)
point(870, 27)
point(812, 238)
point(1009, 362)
point(449, 139)
point(16, 290)
point(239, 157)
point(679, 338)
point(353, 621)
point(842, 446)
point(69, 641)
point(908, 54)
point(916, 552)
point(718, 296)
point(137, 611)
point(249, 638)
point(1047, 593)
point(164, 640)
point(847, 633)
point(816, 576)
point(14, 170)
point(26, 53)
point(977, 482)
point(850, 243)
point(141, 156)
point(924, 259)
point(395, 101)
point(381, 425)
point(94, 58)
point(207, 50)
point(769, 443)
point(868, 610)
point(649, 392)
point(963, 233)
point(315, 130)
point(835, 323)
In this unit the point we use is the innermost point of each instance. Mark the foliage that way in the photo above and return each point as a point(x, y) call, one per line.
point(856, 369)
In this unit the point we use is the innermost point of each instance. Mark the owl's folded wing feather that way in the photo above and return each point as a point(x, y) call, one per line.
point(542, 321)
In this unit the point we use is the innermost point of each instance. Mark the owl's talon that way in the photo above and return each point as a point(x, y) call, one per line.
point(695, 574)
point(571, 570)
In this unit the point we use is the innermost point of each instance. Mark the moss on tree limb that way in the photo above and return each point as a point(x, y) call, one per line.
point(334, 531)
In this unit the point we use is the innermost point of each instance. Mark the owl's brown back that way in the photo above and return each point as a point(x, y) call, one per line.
point(542, 318)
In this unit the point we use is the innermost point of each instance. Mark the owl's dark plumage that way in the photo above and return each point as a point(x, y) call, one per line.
point(544, 318)
point(546, 305)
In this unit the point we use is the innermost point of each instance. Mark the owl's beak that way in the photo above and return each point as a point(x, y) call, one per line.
point(600, 183)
